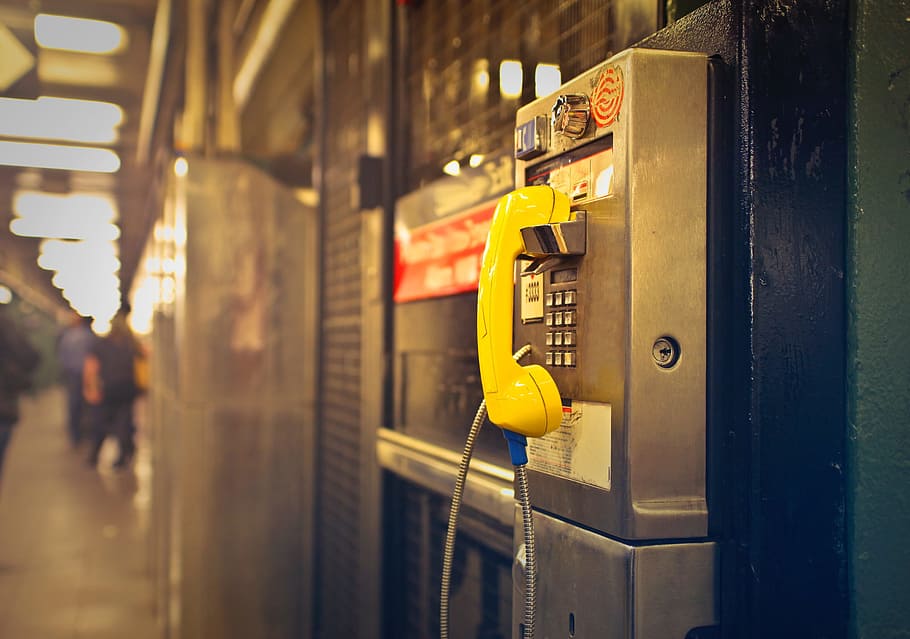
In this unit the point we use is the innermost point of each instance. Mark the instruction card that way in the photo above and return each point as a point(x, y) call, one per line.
point(579, 449)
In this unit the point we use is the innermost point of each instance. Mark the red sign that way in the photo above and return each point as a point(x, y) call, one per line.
point(607, 98)
point(442, 258)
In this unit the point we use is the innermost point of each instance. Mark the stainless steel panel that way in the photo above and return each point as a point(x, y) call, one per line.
point(643, 277)
point(232, 405)
point(488, 488)
point(592, 586)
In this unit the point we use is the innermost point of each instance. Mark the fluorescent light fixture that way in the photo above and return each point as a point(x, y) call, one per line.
point(86, 274)
point(75, 217)
point(475, 160)
point(56, 156)
point(81, 285)
point(64, 228)
point(6, 295)
point(452, 168)
point(511, 78)
point(60, 119)
point(62, 253)
point(98, 209)
point(547, 78)
point(78, 34)
point(89, 262)
point(181, 167)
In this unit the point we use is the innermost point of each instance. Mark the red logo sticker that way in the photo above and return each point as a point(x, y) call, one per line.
point(607, 98)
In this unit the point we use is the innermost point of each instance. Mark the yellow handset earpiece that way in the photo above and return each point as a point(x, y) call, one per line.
point(521, 399)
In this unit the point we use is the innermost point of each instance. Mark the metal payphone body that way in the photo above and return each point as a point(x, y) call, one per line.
point(620, 490)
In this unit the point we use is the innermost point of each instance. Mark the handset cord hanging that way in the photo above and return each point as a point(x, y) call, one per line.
point(457, 494)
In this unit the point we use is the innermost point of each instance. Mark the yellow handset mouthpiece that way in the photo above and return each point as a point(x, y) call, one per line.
point(521, 399)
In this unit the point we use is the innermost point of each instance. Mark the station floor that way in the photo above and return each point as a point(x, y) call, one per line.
point(74, 546)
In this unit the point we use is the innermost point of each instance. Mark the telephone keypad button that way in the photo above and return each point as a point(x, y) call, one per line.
point(557, 358)
point(549, 319)
point(568, 318)
point(568, 338)
point(557, 299)
point(557, 318)
point(568, 358)
point(569, 297)
point(557, 338)
point(549, 339)
point(548, 358)
point(548, 299)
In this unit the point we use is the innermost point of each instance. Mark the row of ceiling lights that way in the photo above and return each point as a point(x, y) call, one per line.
point(79, 229)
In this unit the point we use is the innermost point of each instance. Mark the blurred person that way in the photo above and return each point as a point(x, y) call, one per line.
point(72, 348)
point(18, 361)
point(109, 385)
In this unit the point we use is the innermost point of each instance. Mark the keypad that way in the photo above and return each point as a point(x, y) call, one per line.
point(566, 316)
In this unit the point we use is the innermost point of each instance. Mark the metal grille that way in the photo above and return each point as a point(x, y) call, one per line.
point(339, 454)
point(481, 600)
point(454, 44)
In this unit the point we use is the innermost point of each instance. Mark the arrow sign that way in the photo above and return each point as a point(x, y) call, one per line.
point(16, 59)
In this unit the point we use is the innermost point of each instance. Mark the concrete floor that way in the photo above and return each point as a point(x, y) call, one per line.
point(74, 549)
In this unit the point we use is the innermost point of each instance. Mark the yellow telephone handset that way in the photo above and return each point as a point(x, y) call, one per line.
point(521, 399)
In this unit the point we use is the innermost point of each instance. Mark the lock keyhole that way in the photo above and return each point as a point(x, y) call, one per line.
point(665, 352)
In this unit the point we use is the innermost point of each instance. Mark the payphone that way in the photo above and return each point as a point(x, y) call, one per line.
point(605, 248)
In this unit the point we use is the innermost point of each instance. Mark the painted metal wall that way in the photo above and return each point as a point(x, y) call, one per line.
point(879, 330)
point(784, 561)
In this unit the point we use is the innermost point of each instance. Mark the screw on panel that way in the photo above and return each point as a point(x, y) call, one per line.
point(665, 352)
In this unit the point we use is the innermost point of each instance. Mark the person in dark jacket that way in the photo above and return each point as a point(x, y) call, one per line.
point(110, 387)
point(18, 361)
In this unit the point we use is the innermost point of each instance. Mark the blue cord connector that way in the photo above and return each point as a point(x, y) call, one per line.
point(518, 447)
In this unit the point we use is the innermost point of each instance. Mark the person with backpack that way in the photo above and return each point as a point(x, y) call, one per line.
point(110, 387)
point(18, 361)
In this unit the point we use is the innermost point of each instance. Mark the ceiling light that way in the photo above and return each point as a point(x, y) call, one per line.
point(55, 156)
point(6, 295)
point(475, 160)
point(86, 261)
point(60, 119)
point(84, 206)
point(63, 228)
point(181, 167)
point(96, 255)
point(82, 285)
point(78, 34)
point(511, 77)
point(452, 168)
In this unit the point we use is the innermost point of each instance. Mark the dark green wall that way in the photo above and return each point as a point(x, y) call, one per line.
point(879, 316)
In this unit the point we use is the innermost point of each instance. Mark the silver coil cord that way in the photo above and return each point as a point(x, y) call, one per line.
point(521, 475)
point(457, 494)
